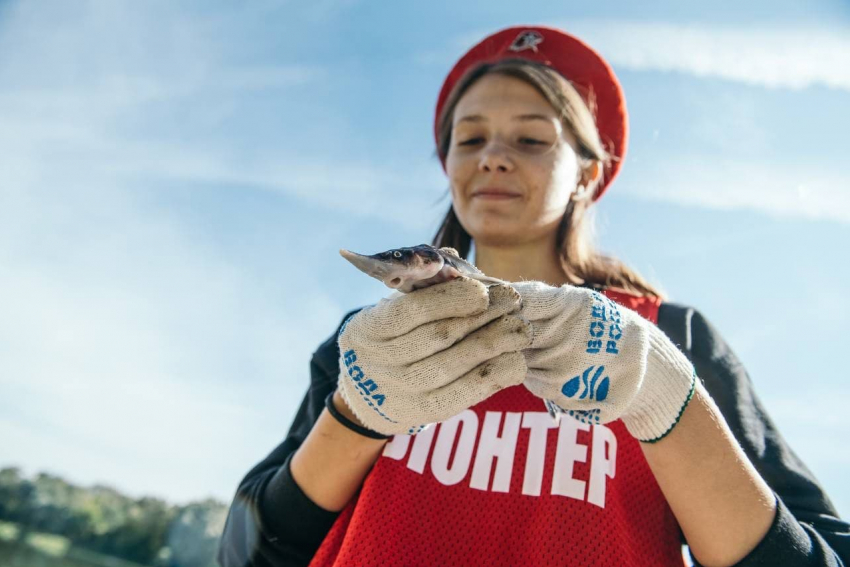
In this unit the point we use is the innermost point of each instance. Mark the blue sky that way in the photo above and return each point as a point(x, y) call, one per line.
point(176, 180)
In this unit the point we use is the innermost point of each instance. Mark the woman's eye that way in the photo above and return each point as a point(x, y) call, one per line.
point(471, 142)
point(532, 142)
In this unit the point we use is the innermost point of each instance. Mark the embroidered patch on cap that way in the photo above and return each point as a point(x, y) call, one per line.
point(527, 40)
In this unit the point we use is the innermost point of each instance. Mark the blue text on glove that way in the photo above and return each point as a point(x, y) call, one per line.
point(603, 311)
point(367, 386)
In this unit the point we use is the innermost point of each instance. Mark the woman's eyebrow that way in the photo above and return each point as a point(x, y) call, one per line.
point(527, 117)
point(475, 118)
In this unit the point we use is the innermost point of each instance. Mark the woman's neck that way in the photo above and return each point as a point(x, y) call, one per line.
point(537, 261)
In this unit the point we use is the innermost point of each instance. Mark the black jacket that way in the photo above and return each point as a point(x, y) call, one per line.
point(272, 523)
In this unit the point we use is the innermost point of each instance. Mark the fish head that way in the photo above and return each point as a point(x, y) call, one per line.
point(399, 267)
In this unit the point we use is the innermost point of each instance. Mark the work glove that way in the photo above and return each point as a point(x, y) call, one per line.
point(423, 357)
point(598, 361)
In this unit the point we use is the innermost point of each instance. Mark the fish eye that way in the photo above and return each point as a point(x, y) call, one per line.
point(397, 254)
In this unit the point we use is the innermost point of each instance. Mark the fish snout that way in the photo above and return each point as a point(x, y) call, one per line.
point(403, 269)
point(370, 266)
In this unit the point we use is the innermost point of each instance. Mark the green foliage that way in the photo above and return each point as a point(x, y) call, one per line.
point(146, 531)
point(193, 536)
point(16, 495)
point(19, 555)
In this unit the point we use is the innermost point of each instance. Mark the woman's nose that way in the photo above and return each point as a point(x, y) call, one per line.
point(495, 157)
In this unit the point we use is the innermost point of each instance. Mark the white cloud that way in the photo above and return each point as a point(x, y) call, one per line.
point(135, 347)
point(779, 56)
point(126, 353)
point(720, 183)
point(89, 125)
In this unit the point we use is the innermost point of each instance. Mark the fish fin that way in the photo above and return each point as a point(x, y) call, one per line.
point(486, 279)
point(450, 251)
point(553, 410)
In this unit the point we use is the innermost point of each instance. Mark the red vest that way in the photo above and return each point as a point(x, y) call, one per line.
point(502, 484)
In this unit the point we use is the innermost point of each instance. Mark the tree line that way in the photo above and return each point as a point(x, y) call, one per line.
point(145, 530)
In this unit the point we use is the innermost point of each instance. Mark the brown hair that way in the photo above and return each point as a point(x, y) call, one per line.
point(581, 262)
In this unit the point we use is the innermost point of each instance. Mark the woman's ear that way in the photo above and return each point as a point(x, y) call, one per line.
point(590, 176)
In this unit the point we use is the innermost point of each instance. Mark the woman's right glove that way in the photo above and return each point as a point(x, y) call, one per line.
point(423, 357)
point(599, 361)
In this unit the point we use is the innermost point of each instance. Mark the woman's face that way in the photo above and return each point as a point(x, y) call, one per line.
point(511, 165)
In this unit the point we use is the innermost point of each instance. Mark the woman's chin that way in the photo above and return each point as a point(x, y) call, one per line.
point(503, 231)
point(495, 235)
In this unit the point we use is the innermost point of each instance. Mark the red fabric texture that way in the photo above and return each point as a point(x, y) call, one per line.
point(437, 501)
point(592, 76)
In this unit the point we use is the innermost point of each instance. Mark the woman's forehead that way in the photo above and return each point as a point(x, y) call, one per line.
point(499, 95)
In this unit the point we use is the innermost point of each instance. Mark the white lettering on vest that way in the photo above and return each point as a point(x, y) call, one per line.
point(421, 446)
point(568, 453)
point(602, 465)
point(538, 424)
point(456, 444)
point(396, 448)
point(454, 473)
point(492, 447)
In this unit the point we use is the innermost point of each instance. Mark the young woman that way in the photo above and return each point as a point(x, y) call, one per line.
point(661, 438)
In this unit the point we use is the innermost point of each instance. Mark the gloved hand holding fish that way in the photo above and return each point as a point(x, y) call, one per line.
point(587, 356)
point(420, 358)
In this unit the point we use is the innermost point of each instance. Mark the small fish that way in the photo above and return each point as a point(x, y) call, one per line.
point(417, 267)
point(409, 269)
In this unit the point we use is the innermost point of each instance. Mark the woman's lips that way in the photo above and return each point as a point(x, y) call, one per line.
point(495, 195)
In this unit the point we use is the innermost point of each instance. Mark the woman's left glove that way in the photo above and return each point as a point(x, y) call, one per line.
point(598, 361)
point(423, 357)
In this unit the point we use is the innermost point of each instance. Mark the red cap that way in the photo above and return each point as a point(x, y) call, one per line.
point(573, 59)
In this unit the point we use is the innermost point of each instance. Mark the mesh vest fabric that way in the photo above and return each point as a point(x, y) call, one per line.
point(484, 489)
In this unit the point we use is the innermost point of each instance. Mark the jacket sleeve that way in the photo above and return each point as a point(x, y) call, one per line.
point(806, 530)
point(271, 522)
